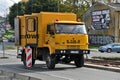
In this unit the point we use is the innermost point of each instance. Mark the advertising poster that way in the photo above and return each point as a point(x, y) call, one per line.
point(100, 19)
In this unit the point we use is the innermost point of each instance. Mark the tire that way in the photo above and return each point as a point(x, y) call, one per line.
point(79, 60)
point(109, 50)
point(24, 59)
point(102, 51)
point(50, 61)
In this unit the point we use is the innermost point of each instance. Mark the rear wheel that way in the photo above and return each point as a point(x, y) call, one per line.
point(79, 60)
point(109, 50)
point(102, 51)
point(50, 61)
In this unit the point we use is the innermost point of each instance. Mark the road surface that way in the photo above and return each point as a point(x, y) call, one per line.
point(61, 72)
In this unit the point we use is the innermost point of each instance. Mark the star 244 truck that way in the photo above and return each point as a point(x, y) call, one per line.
point(53, 37)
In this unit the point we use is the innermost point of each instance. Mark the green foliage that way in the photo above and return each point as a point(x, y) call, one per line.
point(16, 9)
point(0, 40)
point(94, 46)
point(10, 47)
point(8, 34)
point(36, 6)
point(78, 7)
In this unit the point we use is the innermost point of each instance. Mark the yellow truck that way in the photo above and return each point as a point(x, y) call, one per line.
point(53, 37)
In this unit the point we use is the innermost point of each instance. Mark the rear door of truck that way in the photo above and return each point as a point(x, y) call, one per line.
point(31, 30)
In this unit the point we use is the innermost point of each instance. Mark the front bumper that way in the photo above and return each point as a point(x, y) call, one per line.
point(72, 51)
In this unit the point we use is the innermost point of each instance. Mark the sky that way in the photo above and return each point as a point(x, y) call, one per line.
point(4, 6)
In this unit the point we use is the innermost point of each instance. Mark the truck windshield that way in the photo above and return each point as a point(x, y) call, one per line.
point(70, 28)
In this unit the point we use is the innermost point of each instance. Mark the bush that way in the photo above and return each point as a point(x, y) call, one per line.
point(8, 34)
point(94, 46)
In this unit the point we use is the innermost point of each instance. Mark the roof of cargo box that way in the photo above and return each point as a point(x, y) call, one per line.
point(57, 13)
point(69, 22)
point(47, 17)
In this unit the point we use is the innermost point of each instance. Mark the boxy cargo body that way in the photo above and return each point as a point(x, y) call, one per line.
point(53, 37)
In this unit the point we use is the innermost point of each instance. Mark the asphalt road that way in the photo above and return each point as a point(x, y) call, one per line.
point(61, 72)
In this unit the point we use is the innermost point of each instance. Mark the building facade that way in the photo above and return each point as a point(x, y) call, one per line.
point(103, 23)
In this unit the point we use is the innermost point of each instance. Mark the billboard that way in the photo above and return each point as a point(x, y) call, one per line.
point(100, 19)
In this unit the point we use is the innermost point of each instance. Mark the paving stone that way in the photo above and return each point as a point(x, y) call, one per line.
point(22, 77)
point(10, 74)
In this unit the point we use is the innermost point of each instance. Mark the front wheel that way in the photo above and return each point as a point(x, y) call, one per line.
point(102, 51)
point(109, 50)
point(50, 61)
point(79, 60)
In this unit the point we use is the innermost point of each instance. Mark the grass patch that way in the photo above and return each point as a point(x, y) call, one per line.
point(106, 58)
point(94, 46)
point(9, 47)
point(8, 34)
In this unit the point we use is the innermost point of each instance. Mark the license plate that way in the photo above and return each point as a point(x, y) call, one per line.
point(74, 51)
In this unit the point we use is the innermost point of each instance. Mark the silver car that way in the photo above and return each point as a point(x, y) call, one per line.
point(113, 47)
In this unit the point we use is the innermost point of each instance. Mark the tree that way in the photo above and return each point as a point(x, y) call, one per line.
point(36, 6)
point(16, 9)
point(76, 6)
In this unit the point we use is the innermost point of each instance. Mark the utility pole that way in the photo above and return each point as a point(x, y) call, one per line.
point(1, 34)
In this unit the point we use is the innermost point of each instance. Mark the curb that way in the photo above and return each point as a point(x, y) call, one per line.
point(94, 50)
point(103, 67)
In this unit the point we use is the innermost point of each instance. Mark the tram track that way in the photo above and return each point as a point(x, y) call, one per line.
point(110, 63)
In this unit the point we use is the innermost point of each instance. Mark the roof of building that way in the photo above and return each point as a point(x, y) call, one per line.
point(115, 6)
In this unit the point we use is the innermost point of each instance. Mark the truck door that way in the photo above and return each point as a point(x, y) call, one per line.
point(31, 30)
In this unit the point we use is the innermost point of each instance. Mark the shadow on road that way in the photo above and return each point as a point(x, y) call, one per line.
point(19, 68)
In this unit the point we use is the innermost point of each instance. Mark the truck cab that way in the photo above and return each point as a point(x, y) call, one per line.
point(68, 41)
